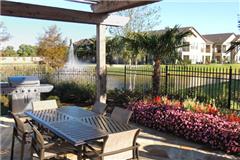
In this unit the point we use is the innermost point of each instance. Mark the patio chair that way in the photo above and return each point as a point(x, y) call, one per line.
point(45, 104)
point(22, 132)
point(121, 115)
point(99, 107)
point(46, 149)
point(116, 146)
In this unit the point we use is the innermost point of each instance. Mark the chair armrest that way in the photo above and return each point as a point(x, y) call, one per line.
point(91, 148)
point(48, 145)
point(113, 152)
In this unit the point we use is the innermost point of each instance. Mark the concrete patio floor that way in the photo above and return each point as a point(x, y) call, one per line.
point(154, 146)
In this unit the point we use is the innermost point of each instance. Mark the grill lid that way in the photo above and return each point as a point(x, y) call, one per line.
point(23, 81)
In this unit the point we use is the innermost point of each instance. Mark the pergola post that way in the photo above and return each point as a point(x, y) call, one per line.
point(101, 64)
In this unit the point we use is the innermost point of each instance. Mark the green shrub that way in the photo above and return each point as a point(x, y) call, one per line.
point(187, 61)
point(55, 98)
point(72, 92)
point(4, 104)
point(121, 97)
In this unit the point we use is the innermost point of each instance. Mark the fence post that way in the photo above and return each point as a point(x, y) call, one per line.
point(166, 79)
point(230, 87)
point(125, 77)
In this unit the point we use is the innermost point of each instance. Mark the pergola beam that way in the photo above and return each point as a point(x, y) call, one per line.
point(17, 9)
point(118, 5)
point(101, 64)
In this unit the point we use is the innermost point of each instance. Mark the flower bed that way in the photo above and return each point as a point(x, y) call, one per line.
point(209, 128)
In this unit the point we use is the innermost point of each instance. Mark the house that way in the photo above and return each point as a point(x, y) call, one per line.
point(199, 50)
point(221, 42)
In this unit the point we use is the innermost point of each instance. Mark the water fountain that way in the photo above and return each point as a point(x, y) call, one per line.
point(72, 61)
point(74, 69)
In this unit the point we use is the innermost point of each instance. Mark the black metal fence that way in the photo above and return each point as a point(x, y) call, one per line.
point(218, 85)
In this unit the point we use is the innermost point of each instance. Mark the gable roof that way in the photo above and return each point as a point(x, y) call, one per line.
point(218, 38)
point(161, 31)
point(182, 29)
point(237, 38)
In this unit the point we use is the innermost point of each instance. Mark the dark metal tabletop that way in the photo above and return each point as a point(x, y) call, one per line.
point(77, 125)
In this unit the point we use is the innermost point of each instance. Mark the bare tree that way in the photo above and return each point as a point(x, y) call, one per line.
point(142, 19)
point(4, 35)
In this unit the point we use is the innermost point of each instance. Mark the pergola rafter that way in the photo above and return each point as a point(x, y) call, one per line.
point(85, 1)
point(25, 10)
point(118, 5)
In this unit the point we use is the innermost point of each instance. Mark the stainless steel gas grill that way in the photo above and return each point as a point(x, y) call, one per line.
point(22, 90)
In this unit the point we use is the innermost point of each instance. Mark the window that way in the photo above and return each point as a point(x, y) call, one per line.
point(224, 48)
point(218, 49)
point(208, 48)
point(186, 47)
point(186, 57)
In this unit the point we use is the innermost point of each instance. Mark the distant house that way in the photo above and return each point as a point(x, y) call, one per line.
point(199, 49)
point(221, 42)
point(20, 60)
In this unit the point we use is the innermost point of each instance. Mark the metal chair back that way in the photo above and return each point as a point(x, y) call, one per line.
point(21, 133)
point(37, 142)
point(19, 127)
point(120, 145)
point(43, 105)
point(99, 107)
point(121, 115)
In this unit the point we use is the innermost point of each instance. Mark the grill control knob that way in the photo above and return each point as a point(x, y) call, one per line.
point(23, 91)
point(29, 90)
point(16, 91)
point(35, 90)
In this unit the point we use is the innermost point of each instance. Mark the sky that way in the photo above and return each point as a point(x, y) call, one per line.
point(206, 16)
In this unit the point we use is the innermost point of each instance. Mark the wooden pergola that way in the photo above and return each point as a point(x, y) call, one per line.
point(100, 16)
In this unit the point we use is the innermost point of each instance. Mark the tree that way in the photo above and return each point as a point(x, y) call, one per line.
point(136, 24)
point(114, 48)
point(27, 50)
point(9, 52)
point(142, 19)
point(233, 50)
point(134, 43)
point(86, 49)
point(163, 47)
point(4, 35)
point(52, 47)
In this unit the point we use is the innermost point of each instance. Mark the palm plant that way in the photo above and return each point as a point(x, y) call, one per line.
point(114, 47)
point(134, 43)
point(164, 48)
point(233, 50)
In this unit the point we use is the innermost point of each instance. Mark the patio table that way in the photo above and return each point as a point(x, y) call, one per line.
point(76, 125)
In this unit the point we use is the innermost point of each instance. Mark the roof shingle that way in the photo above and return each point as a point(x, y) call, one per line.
point(217, 38)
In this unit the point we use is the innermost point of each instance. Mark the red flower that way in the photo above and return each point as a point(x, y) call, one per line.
point(157, 99)
point(221, 132)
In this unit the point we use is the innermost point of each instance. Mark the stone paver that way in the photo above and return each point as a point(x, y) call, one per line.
point(154, 146)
